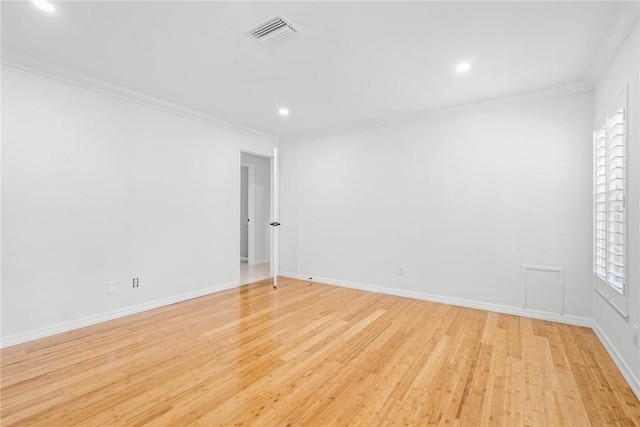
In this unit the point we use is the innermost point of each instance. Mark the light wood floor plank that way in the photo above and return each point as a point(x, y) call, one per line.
point(310, 354)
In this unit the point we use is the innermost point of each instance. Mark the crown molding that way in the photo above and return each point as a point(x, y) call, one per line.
point(34, 66)
point(623, 21)
point(28, 64)
point(553, 91)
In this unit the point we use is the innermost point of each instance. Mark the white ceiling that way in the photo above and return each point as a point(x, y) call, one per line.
point(354, 61)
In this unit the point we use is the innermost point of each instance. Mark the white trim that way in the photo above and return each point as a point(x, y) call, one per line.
point(620, 26)
point(608, 301)
point(34, 66)
point(274, 255)
point(554, 91)
point(110, 315)
point(626, 372)
point(251, 210)
point(244, 258)
point(498, 308)
point(558, 270)
point(1, 222)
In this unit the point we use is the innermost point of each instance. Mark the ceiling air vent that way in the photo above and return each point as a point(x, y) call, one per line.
point(273, 31)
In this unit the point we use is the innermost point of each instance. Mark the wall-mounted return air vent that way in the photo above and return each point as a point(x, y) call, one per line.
point(273, 31)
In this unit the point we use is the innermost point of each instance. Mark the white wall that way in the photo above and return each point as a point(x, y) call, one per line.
point(262, 205)
point(617, 330)
point(460, 199)
point(96, 188)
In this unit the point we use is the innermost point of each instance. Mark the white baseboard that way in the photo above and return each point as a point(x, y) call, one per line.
point(498, 308)
point(244, 258)
point(626, 372)
point(110, 315)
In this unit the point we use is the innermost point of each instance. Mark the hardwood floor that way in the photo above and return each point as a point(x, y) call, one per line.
point(310, 354)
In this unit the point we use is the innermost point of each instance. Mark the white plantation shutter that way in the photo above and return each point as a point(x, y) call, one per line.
point(609, 216)
point(600, 198)
point(616, 194)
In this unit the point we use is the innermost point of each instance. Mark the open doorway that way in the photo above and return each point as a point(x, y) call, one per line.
point(255, 211)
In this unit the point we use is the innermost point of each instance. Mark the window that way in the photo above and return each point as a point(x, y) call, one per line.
point(609, 216)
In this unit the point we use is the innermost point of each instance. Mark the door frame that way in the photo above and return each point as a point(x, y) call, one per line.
point(251, 210)
point(272, 202)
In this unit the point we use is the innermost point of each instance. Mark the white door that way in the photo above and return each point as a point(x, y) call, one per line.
point(275, 219)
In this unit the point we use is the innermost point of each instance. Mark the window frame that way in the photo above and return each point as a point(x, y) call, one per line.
point(615, 198)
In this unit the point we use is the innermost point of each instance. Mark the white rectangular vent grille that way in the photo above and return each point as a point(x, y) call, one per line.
point(273, 31)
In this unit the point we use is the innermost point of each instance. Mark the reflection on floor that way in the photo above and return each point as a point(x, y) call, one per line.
point(253, 273)
point(315, 355)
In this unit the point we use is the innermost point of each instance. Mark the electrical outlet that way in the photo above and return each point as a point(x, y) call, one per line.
point(635, 336)
point(136, 282)
point(400, 270)
point(111, 286)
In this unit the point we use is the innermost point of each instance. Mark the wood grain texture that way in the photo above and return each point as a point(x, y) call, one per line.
point(310, 354)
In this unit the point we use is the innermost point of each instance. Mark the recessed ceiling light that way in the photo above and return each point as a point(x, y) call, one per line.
point(44, 5)
point(463, 67)
point(283, 111)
